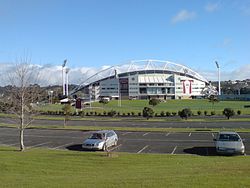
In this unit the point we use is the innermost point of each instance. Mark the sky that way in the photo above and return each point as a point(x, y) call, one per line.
point(95, 34)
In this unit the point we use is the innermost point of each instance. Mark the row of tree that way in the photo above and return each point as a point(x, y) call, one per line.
point(186, 112)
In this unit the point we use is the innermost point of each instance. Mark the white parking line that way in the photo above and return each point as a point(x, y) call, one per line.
point(167, 134)
point(63, 145)
point(38, 145)
point(145, 134)
point(189, 134)
point(174, 150)
point(115, 147)
point(143, 149)
point(126, 133)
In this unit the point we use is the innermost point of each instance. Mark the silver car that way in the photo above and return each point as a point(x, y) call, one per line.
point(229, 143)
point(101, 140)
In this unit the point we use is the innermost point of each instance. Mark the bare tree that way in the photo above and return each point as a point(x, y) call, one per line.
point(23, 94)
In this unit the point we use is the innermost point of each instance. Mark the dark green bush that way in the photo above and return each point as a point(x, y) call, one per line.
point(162, 114)
point(205, 112)
point(168, 114)
point(212, 113)
point(174, 113)
point(239, 112)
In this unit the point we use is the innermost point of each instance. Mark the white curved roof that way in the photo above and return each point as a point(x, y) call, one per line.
point(142, 65)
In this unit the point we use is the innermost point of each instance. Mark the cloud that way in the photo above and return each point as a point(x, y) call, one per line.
point(225, 43)
point(182, 16)
point(212, 7)
point(240, 73)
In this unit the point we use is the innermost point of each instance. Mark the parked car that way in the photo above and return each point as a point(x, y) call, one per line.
point(101, 140)
point(229, 143)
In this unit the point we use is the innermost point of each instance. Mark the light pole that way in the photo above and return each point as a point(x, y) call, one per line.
point(118, 88)
point(67, 81)
point(218, 67)
point(90, 95)
point(63, 78)
point(50, 92)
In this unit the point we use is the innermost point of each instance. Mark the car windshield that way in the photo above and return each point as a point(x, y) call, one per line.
point(229, 137)
point(96, 136)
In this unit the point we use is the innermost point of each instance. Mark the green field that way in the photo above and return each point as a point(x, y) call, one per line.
point(170, 106)
point(51, 168)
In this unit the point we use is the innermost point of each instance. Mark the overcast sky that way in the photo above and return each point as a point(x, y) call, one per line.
point(99, 33)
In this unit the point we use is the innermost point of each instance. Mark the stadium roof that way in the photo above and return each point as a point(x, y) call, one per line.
point(139, 66)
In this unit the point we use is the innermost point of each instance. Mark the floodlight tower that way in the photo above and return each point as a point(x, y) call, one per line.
point(63, 77)
point(118, 88)
point(218, 67)
point(67, 81)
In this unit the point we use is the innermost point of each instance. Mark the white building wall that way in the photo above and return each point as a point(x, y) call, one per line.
point(109, 87)
point(133, 85)
point(187, 87)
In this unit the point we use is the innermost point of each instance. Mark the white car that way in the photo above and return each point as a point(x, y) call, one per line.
point(229, 143)
point(101, 140)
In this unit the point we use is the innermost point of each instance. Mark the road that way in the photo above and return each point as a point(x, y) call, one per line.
point(182, 124)
point(132, 142)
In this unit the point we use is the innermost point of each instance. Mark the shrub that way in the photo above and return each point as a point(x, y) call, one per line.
point(132, 113)
point(212, 113)
point(185, 113)
point(87, 114)
point(147, 112)
point(118, 113)
point(205, 112)
point(112, 113)
point(154, 102)
point(228, 112)
point(81, 113)
point(199, 112)
point(156, 114)
point(168, 114)
point(128, 114)
point(104, 113)
point(123, 114)
point(174, 113)
point(139, 113)
point(162, 114)
point(238, 112)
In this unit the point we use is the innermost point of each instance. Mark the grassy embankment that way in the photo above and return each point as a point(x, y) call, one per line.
point(47, 168)
point(136, 106)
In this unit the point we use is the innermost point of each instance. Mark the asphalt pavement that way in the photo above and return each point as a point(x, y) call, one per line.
point(198, 143)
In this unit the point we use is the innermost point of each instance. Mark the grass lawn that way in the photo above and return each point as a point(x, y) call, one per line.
point(53, 168)
point(170, 106)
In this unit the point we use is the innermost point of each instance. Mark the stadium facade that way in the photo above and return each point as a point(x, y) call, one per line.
point(145, 79)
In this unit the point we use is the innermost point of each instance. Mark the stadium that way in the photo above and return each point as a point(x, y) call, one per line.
point(144, 79)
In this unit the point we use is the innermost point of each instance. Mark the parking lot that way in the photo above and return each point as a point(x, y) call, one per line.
point(198, 143)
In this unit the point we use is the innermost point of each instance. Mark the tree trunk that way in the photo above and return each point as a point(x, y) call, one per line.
point(21, 140)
